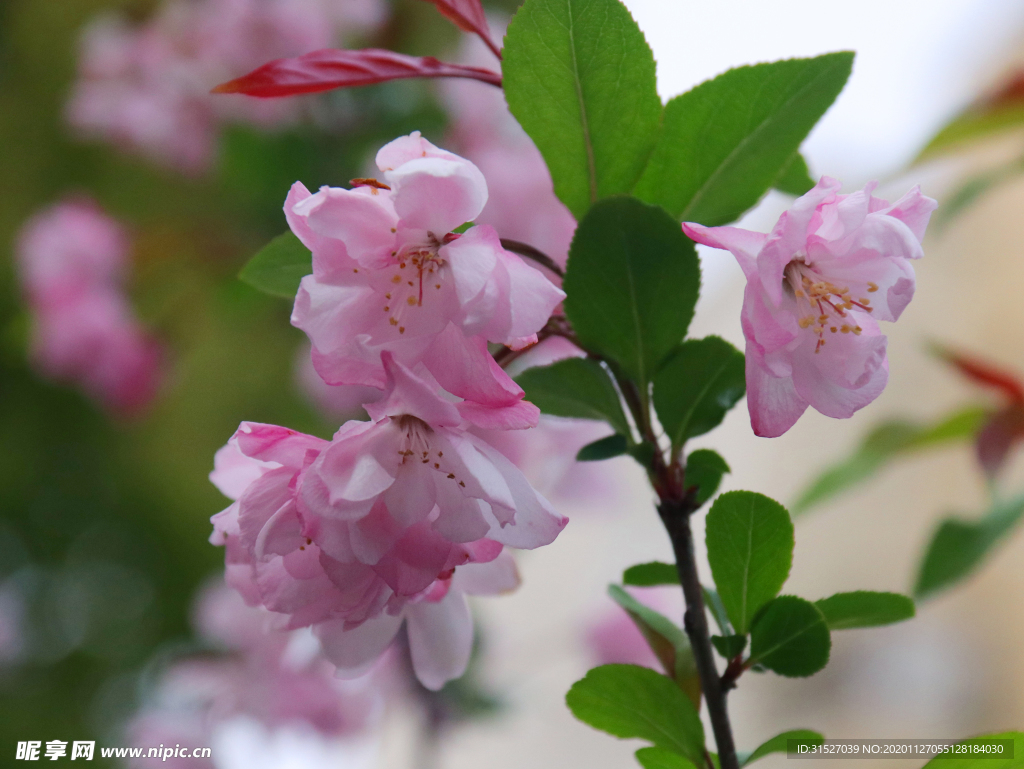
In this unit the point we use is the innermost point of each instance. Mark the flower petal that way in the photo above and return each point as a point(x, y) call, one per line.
point(745, 245)
point(494, 578)
point(354, 651)
point(364, 219)
point(440, 639)
point(773, 402)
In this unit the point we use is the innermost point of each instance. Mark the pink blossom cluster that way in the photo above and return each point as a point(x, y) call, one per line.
point(72, 260)
point(147, 87)
point(263, 692)
point(817, 285)
point(396, 519)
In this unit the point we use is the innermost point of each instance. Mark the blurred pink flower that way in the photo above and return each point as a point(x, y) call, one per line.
point(388, 275)
point(392, 520)
point(816, 286)
point(269, 684)
point(71, 260)
point(147, 87)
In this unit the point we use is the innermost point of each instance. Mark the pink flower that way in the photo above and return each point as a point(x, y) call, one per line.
point(816, 286)
point(69, 246)
point(71, 259)
point(392, 521)
point(389, 275)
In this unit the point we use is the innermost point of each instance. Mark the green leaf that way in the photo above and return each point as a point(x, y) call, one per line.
point(613, 445)
point(967, 193)
point(632, 282)
point(790, 637)
point(984, 761)
point(713, 601)
point(579, 77)
point(972, 124)
point(960, 546)
point(651, 574)
point(659, 758)
point(704, 469)
point(632, 701)
point(695, 388)
point(863, 608)
point(780, 743)
point(575, 387)
point(795, 177)
point(279, 267)
point(729, 646)
point(750, 549)
point(668, 642)
point(885, 442)
point(727, 141)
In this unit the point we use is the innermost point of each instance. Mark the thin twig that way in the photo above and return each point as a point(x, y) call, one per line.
point(676, 517)
point(525, 249)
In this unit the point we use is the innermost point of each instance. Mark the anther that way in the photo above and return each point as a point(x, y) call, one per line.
point(401, 329)
point(397, 279)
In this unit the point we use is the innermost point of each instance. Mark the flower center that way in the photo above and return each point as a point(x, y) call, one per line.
point(821, 304)
point(416, 267)
point(416, 446)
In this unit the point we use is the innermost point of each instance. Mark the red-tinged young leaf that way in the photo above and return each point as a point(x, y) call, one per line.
point(331, 68)
point(984, 373)
point(999, 435)
point(468, 15)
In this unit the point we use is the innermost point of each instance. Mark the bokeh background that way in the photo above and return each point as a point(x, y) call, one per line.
point(104, 521)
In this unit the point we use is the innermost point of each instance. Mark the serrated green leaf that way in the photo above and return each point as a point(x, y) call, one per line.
point(790, 637)
point(651, 574)
point(632, 282)
point(960, 546)
point(579, 77)
point(632, 701)
point(610, 446)
point(575, 387)
point(696, 386)
point(725, 142)
point(795, 177)
point(984, 761)
point(780, 743)
point(713, 601)
point(885, 442)
point(729, 646)
point(864, 608)
point(704, 469)
point(279, 267)
point(668, 642)
point(750, 548)
point(659, 758)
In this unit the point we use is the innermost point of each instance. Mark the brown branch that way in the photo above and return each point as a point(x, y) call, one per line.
point(525, 249)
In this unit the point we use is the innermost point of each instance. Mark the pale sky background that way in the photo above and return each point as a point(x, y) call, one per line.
point(918, 62)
